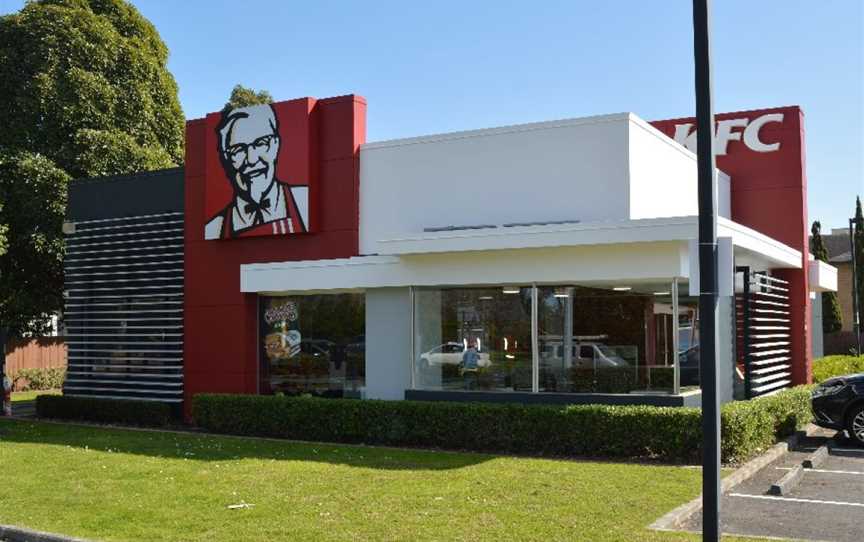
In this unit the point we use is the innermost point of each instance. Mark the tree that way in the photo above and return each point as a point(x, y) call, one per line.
point(33, 192)
point(858, 254)
point(86, 92)
point(85, 83)
point(832, 319)
point(244, 97)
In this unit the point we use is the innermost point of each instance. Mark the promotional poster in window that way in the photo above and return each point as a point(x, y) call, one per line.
point(280, 333)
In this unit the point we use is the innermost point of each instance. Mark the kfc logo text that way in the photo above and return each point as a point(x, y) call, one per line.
point(745, 130)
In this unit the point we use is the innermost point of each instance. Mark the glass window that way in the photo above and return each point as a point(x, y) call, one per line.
point(313, 344)
point(605, 340)
point(688, 341)
point(473, 338)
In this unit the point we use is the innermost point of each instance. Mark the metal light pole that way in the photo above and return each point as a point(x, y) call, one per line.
point(856, 317)
point(707, 272)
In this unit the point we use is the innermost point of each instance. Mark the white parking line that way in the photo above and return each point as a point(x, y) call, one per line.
point(826, 471)
point(792, 499)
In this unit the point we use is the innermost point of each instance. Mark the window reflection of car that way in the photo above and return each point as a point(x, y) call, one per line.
point(317, 347)
point(688, 362)
point(450, 353)
point(688, 355)
point(584, 355)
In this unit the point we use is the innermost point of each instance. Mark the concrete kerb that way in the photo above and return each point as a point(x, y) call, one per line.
point(677, 517)
point(788, 482)
point(10, 533)
point(816, 458)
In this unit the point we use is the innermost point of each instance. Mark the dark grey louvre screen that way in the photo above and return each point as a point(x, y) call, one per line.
point(124, 292)
point(764, 333)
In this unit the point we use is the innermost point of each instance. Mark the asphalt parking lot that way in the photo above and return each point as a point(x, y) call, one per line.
point(826, 505)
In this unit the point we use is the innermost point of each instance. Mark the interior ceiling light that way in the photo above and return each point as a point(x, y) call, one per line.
point(510, 290)
point(662, 293)
point(485, 297)
point(622, 288)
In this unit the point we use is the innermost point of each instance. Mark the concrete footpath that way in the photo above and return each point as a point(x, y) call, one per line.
point(823, 503)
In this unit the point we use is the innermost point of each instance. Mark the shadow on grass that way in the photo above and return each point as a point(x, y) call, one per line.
point(198, 447)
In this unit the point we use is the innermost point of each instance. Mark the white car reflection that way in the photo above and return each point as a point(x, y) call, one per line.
point(450, 353)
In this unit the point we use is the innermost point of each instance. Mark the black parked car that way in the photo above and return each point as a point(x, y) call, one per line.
point(838, 403)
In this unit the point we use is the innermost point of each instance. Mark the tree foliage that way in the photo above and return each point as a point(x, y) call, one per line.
point(832, 318)
point(33, 192)
point(75, 71)
point(244, 97)
point(859, 252)
point(86, 92)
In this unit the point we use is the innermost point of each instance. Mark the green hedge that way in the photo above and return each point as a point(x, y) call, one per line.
point(48, 378)
point(831, 366)
point(665, 433)
point(121, 411)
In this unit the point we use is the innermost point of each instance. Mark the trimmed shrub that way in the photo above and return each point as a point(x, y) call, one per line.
point(121, 411)
point(746, 428)
point(789, 410)
point(50, 378)
point(831, 366)
point(665, 433)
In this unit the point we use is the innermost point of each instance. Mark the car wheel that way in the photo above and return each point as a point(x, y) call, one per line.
point(855, 424)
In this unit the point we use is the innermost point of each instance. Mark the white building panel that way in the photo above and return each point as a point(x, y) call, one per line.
point(823, 277)
point(590, 170)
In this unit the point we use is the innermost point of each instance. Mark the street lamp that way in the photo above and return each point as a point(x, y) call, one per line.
point(707, 194)
point(856, 317)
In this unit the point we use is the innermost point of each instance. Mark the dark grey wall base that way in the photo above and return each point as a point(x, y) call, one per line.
point(690, 399)
point(9, 533)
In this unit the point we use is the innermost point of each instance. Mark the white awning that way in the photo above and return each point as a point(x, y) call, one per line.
point(645, 250)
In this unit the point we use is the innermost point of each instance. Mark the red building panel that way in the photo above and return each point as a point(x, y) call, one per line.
point(769, 194)
point(319, 145)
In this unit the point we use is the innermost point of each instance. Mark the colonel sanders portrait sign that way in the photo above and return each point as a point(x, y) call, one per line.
point(258, 172)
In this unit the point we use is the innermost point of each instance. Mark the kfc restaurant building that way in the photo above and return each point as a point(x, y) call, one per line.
point(552, 261)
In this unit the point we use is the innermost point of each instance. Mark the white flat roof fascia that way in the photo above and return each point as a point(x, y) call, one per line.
point(542, 236)
point(594, 233)
point(513, 128)
point(636, 250)
point(822, 276)
point(774, 251)
point(643, 262)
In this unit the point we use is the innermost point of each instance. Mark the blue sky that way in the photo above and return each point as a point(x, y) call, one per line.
point(442, 66)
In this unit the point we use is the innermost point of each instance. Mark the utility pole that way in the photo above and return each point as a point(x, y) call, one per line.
point(856, 310)
point(707, 271)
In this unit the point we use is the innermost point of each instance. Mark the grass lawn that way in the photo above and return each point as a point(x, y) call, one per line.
point(109, 484)
point(31, 395)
